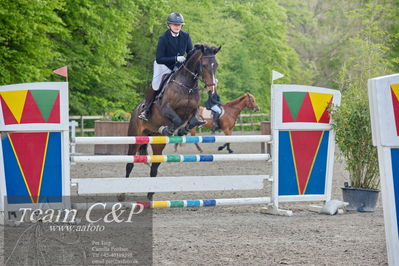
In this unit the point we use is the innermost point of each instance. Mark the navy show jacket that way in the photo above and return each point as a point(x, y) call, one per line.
point(170, 47)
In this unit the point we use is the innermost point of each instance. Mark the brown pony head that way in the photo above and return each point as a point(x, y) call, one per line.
point(250, 102)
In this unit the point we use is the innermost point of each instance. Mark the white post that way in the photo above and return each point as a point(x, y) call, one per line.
point(383, 99)
point(73, 124)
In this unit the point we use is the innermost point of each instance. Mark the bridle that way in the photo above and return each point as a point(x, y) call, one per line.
point(251, 103)
point(205, 84)
point(196, 75)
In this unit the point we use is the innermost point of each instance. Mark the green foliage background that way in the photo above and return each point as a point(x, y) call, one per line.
point(353, 137)
point(109, 45)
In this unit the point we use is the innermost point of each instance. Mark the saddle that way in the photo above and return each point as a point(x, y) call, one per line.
point(165, 80)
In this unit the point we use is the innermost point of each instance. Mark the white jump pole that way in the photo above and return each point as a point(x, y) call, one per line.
point(169, 158)
point(172, 139)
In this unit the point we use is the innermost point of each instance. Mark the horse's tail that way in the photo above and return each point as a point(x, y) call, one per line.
point(133, 120)
point(143, 149)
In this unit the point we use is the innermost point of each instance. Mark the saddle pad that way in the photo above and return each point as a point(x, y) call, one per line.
point(207, 114)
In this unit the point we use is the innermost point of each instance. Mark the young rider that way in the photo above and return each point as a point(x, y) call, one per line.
point(213, 103)
point(172, 47)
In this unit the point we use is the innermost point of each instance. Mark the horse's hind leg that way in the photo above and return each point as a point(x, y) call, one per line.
point(132, 151)
point(133, 148)
point(129, 166)
point(156, 150)
point(198, 147)
point(193, 133)
point(176, 145)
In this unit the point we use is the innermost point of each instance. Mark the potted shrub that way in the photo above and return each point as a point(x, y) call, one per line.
point(115, 124)
point(351, 122)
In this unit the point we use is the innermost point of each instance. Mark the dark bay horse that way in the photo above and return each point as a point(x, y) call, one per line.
point(227, 120)
point(176, 110)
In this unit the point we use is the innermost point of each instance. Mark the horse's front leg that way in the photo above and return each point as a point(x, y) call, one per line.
point(173, 117)
point(228, 148)
point(221, 147)
point(227, 132)
point(192, 123)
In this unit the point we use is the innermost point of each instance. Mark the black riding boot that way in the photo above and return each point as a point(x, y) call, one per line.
point(145, 113)
point(199, 122)
point(215, 122)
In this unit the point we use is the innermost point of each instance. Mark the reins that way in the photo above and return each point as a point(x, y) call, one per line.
point(190, 90)
point(195, 76)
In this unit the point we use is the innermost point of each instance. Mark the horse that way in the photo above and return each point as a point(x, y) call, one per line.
point(228, 119)
point(177, 109)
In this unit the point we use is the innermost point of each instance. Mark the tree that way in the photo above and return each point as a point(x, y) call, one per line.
point(96, 53)
point(323, 34)
point(366, 54)
point(253, 39)
point(147, 26)
point(26, 45)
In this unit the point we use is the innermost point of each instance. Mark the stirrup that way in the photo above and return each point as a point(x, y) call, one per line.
point(143, 116)
point(201, 123)
point(215, 126)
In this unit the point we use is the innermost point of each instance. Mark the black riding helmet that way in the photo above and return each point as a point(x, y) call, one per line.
point(175, 18)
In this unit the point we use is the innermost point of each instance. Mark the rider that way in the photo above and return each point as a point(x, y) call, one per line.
point(173, 44)
point(213, 103)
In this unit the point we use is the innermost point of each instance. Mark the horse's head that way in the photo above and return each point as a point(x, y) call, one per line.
point(208, 65)
point(250, 102)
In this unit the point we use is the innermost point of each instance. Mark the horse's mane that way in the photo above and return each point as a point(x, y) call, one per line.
point(190, 54)
point(205, 48)
point(235, 101)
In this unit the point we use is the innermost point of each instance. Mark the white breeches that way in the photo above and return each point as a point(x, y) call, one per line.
point(216, 109)
point(159, 71)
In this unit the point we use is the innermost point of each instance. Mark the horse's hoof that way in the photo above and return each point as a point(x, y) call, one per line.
point(121, 197)
point(220, 148)
point(150, 196)
point(231, 151)
point(182, 132)
point(143, 116)
point(167, 131)
point(201, 123)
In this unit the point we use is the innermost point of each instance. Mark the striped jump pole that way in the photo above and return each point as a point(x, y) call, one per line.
point(175, 203)
point(172, 139)
point(169, 158)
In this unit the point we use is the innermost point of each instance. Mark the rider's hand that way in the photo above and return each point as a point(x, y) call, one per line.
point(180, 59)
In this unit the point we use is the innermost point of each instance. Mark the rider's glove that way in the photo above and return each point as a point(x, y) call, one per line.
point(180, 59)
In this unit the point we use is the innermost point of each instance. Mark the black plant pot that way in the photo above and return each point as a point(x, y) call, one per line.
point(360, 199)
